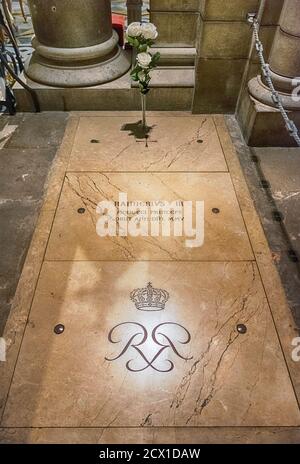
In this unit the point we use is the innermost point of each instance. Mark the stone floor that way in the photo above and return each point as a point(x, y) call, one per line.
point(29, 143)
point(211, 363)
point(278, 206)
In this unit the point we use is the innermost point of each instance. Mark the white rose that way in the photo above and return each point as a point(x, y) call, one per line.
point(149, 31)
point(144, 59)
point(134, 29)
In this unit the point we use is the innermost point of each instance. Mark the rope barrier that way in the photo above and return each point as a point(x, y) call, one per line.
point(290, 125)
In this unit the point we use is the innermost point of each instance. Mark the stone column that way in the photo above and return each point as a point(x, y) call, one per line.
point(284, 60)
point(74, 43)
point(134, 10)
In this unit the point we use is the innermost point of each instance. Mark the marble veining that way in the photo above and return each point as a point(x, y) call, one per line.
point(74, 235)
point(151, 349)
point(172, 144)
point(226, 379)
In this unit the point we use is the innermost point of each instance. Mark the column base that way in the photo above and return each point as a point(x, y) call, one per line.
point(262, 125)
point(262, 93)
point(40, 69)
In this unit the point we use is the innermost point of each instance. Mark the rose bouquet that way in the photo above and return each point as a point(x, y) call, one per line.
point(142, 37)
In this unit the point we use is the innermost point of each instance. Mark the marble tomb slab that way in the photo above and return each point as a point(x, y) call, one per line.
point(175, 143)
point(196, 370)
point(74, 235)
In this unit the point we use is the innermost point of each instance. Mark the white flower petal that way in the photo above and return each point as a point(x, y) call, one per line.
point(149, 31)
point(134, 29)
point(144, 59)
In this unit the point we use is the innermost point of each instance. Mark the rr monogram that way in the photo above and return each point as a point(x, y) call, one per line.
point(137, 341)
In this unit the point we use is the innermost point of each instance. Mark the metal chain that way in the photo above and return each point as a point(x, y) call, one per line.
point(290, 125)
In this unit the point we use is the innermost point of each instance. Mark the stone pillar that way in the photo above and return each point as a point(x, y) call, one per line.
point(284, 60)
point(134, 10)
point(74, 43)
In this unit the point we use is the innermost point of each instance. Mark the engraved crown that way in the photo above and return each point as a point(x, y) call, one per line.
point(149, 298)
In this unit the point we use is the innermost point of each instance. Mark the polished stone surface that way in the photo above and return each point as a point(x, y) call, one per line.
point(231, 379)
point(74, 235)
point(175, 143)
point(169, 368)
point(152, 435)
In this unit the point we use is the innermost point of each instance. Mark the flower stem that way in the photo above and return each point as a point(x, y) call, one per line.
point(144, 110)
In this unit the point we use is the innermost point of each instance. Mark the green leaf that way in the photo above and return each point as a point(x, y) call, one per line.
point(134, 71)
point(133, 41)
point(137, 69)
point(156, 57)
point(130, 40)
point(143, 48)
point(149, 42)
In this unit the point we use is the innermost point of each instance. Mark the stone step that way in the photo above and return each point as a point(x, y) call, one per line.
point(172, 90)
point(172, 77)
point(176, 56)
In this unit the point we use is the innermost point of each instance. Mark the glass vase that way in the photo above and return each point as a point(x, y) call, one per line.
point(144, 108)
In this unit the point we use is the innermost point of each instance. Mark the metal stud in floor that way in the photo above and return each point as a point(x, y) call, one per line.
point(242, 329)
point(59, 329)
